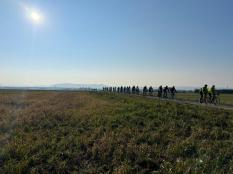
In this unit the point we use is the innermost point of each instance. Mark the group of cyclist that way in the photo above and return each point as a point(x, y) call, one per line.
point(208, 95)
point(123, 89)
point(162, 92)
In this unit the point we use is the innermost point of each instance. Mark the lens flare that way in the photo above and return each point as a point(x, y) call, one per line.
point(35, 16)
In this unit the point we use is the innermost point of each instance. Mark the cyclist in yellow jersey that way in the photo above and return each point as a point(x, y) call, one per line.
point(213, 91)
point(210, 95)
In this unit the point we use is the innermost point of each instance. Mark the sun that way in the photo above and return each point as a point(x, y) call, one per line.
point(35, 16)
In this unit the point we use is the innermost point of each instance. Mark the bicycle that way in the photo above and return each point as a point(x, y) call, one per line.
point(216, 100)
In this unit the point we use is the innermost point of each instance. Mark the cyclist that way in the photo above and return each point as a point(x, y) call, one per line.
point(129, 89)
point(137, 90)
point(121, 89)
point(118, 89)
point(205, 92)
point(133, 89)
point(173, 91)
point(201, 95)
point(165, 91)
point(151, 90)
point(145, 90)
point(160, 91)
point(213, 91)
point(124, 89)
point(210, 95)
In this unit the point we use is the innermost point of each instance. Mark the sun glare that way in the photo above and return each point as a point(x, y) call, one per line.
point(35, 16)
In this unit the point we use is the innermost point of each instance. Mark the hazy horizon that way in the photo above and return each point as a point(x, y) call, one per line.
point(96, 86)
point(124, 42)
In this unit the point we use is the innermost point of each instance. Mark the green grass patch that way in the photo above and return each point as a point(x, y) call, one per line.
point(90, 132)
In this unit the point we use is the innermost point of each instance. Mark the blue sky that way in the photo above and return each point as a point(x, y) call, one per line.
point(117, 42)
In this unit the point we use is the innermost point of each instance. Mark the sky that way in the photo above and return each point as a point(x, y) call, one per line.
point(116, 42)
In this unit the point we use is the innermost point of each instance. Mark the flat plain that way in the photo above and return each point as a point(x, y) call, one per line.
point(97, 132)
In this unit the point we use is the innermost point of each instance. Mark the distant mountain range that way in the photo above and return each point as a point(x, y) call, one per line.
point(77, 86)
point(62, 86)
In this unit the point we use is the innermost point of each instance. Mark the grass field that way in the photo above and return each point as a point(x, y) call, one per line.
point(81, 132)
point(225, 99)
